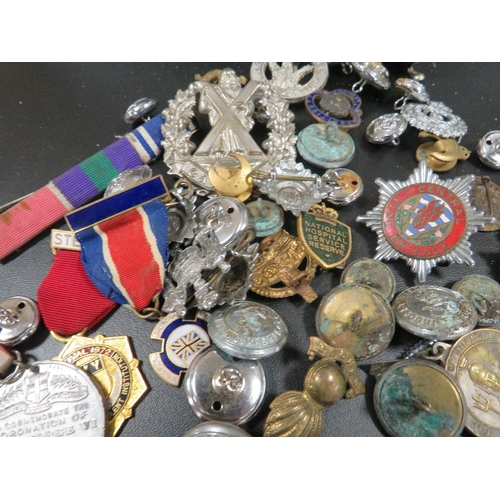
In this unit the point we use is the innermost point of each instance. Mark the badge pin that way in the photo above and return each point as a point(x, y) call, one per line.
point(110, 362)
point(181, 340)
point(425, 220)
point(327, 240)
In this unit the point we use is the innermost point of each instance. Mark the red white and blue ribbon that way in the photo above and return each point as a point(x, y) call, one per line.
point(124, 243)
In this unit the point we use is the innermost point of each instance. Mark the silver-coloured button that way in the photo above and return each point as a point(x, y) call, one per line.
point(216, 429)
point(219, 387)
point(434, 312)
point(139, 108)
point(488, 149)
point(346, 185)
point(386, 129)
point(19, 318)
point(227, 216)
point(248, 330)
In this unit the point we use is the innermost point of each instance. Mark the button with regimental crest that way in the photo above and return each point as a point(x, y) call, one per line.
point(248, 330)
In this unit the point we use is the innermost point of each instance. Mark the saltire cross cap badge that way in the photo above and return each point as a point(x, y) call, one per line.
point(111, 364)
point(124, 242)
point(327, 240)
point(181, 340)
point(425, 220)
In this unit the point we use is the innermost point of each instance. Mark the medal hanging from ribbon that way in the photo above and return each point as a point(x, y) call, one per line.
point(124, 243)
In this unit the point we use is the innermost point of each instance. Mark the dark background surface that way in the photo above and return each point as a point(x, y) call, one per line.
point(54, 115)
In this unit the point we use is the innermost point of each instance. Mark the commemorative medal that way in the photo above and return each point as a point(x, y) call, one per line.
point(181, 340)
point(324, 237)
point(425, 220)
point(111, 364)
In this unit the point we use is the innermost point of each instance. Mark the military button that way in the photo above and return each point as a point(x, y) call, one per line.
point(216, 429)
point(347, 185)
point(266, 216)
point(373, 273)
point(484, 294)
point(357, 318)
point(417, 398)
point(227, 216)
point(19, 318)
point(434, 312)
point(386, 129)
point(219, 387)
point(247, 330)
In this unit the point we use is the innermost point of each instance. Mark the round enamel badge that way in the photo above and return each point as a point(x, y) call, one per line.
point(425, 220)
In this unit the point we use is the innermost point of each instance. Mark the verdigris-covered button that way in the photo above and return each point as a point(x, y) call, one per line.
point(219, 387)
point(417, 398)
point(19, 318)
point(434, 312)
point(484, 294)
point(325, 145)
point(356, 317)
point(247, 330)
point(372, 273)
point(216, 429)
point(266, 216)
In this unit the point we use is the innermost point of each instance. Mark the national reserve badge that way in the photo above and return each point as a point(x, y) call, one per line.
point(181, 340)
point(324, 237)
point(110, 362)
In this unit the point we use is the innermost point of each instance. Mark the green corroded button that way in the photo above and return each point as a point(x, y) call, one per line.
point(417, 398)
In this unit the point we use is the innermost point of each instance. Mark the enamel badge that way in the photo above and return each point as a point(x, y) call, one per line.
point(110, 362)
point(425, 220)
point(325, 239)
point(181, 340)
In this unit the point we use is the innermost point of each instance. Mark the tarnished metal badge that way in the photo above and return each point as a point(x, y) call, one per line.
point(181, 340)
point(327, 240)
point(425, 220)
point(51, 399)
point(110, 362)
point(474, 360)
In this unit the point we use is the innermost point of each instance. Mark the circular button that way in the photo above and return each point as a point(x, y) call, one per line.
point(247, 330)
point(357, 318)
point(19, 318)
point(488, 149)
point(222, 388)
point(216, 429)
point(417, 398)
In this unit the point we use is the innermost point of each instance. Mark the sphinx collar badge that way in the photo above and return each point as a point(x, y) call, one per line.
point(425, 220)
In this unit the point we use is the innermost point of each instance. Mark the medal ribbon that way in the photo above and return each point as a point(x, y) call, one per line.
point(125, 255)
point(78, 185)
point(68, 300)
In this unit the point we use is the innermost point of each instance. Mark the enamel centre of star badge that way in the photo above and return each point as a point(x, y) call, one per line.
point(425, 220)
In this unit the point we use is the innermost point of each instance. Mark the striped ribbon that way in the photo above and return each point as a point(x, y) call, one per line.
point(78, 185)
point(124, 243)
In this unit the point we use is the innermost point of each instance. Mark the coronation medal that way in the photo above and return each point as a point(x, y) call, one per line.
point(425, 220)
point(111, 364)
point(325, 239)
point(181, 340)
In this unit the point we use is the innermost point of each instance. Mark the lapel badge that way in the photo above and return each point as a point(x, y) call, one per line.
point(327, 240)
point(276, 273)
point(425, 220)
point(181, 340)
point(111, 364)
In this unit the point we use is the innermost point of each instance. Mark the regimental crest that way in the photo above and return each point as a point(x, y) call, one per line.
point(181, 340)
point(327, 240)
point(111, 364)
point(425, 220)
